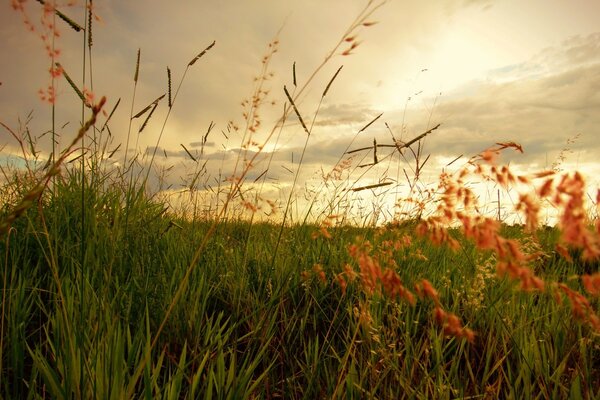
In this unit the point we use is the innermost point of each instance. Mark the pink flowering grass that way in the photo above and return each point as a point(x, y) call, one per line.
point(112, 291)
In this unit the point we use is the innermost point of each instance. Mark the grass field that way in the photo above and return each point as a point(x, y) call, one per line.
point(109, 292)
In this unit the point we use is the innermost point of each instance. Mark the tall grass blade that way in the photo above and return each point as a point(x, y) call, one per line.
point(193, 61)
point(74, 86)
point(296, 110)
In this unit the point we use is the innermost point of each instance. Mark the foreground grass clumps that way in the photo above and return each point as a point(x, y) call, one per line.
point(253, 324)
point(115, 288)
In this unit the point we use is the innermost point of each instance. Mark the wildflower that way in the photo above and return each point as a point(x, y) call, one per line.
point(489, 156)
point(439, 315)
point(546, 188)
point(342, 282)
point(428, 291)
point(325, 233)
point(580, 306)
point(249, 206)
point(318, 270)
point(351, 275)
point(364, 315)
point(591, 283)
point(305, 276)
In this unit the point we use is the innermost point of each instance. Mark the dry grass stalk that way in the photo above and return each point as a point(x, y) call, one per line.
point(377, 275)
point(145, 109)
point(169, 85)
point(296, 110)
point(79, 93)
point(137, 66)
point(193, 61)
point(376, 185)
point(568, 195)
point(330, 81)
point(35, 193)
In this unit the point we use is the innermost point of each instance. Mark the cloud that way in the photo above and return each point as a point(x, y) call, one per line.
point(539, 102)
point(336, 115)
point(201, 144)
point(575, 51)
point(539, 111)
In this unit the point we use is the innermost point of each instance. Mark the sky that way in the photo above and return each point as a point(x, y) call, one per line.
point(487, 71)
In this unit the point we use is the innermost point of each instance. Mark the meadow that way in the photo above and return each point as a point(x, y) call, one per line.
point(111, 290)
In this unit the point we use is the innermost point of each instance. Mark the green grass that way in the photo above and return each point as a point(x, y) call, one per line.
point(109, 292)
point(251, 327)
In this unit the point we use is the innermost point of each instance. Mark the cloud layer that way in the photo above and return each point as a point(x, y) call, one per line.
point(449, 62)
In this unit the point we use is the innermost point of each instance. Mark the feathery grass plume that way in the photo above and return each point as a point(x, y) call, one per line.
point(376, 185)
point(375, 160)
point(131, 117)
point(296, 110)
point(145, 109)
point(137, 66)
point(454, 160)
point(46, 32)
point(29, 199)
point(89, 24)
point(421, 136)
point(74, 86)
point(22, 144)
point(210, 128)
point(188, 152)
point(570, 195)
point(112, 153)
point(148, 118)
point(193, 61)
point(294, 73)
point(169, 84)
point(370, 123)
point(235, 189)
point(562, 156)
point(449, 321)
point(205, 137)
point(377, 272)
point(354, 44)
point(74, 25)
point(158, 140)
point(511, 258)
point(580, 306)
point(361, 130)
point(389, 349)
point(104, 126)
point(330, 82)
point(260, 176)
point(591, 283)
point(366, 11)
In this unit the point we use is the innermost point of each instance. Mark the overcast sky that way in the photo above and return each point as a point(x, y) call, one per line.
point(487, 71)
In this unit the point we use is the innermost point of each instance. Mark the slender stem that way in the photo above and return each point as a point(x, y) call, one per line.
point(163, 126)
point(287, 205)
point(83, 235)
point(234, 188)
point(135, 80)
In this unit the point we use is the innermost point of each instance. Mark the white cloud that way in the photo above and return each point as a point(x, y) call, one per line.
point(497, 84)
